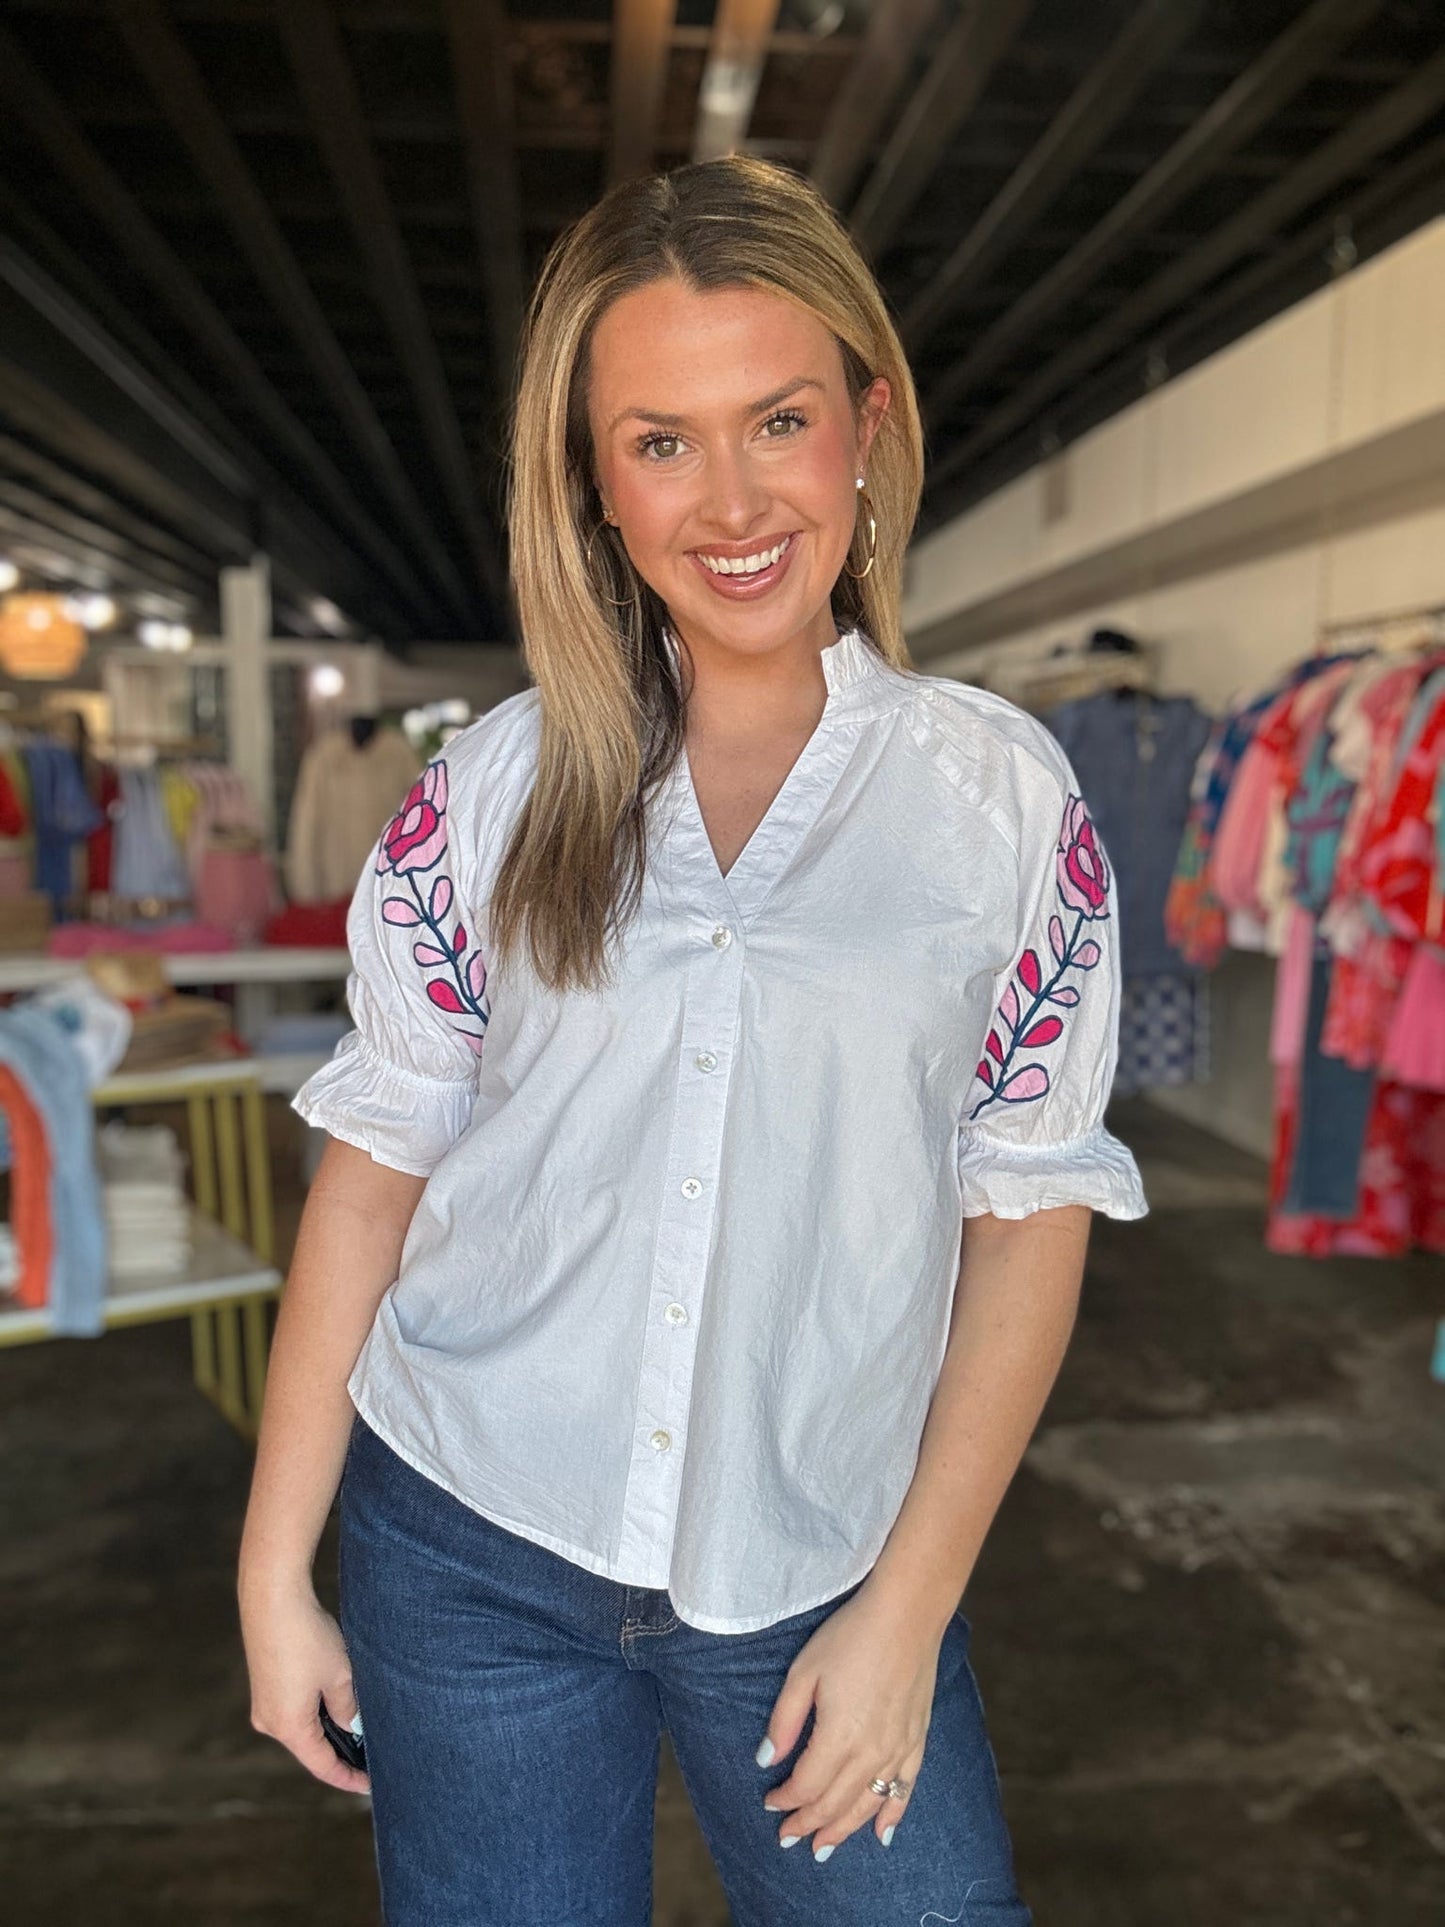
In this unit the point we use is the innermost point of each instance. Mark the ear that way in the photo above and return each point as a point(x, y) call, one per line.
point(872, 407)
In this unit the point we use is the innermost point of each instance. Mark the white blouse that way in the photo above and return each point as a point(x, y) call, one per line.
point(676, 1295)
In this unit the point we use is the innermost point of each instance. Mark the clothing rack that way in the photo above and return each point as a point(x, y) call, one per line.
point(1398, 629)
point(36, 722)
point(164, 746)
point(1072, 675)
point(139, 751)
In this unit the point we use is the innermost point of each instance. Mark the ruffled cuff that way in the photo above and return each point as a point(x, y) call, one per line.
point(404, 1121)
point(1014, 1180)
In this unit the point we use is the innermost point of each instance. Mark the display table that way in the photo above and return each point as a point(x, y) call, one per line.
point(271, 964)
point(230, 1280)
point(253, 972)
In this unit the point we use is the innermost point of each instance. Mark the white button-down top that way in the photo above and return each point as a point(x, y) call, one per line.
point(675, 1298)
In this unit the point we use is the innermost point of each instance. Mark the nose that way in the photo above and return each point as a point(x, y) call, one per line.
point(735, 500)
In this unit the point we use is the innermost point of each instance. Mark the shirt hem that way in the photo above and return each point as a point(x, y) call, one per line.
point(591, 1561)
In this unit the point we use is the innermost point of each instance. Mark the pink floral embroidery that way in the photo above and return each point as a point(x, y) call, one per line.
point(1083, 871)
point(414, 842)
point(1024, 1022)
point(416, 837)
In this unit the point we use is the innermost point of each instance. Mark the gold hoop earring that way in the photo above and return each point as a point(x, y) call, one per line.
point(627, 601)
point(859, 574)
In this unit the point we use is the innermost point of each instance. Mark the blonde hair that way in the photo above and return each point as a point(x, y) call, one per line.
point(613, 705)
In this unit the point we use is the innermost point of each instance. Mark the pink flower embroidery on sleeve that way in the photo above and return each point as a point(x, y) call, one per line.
point(416, 837)
point(414, 842)
point(1024, 1021)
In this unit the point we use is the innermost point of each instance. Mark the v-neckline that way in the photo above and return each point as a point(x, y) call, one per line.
point(725, 876)
point(740, 891)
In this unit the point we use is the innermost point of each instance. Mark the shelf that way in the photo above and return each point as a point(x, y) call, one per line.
point(272, 964)
point(279, 1072)
point(221, 1270)
point(179, 1080)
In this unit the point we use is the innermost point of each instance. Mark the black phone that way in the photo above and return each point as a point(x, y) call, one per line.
point(347, 1746)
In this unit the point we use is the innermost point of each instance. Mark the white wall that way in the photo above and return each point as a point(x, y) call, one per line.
point(1293, 480)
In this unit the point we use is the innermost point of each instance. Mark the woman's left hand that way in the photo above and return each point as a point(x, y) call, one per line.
point(870, 1676)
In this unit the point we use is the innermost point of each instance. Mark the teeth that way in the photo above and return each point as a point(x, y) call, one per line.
point(744, 564)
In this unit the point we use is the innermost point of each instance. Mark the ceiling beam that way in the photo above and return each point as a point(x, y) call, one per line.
point(45, 298)
point(482, 69)
point(79, 495)
point(1391, 120)
point(41, 111)
point(1283, 70)
point(84, 307)
point(641, 42)
point(1156, 31)
point(99, 548)
point(179, 90)
point(867, 97)
point(324, 76)
point(947, 94)
point(28, 404)
point(729, 85)
point(419, 17)
point(1406, 196)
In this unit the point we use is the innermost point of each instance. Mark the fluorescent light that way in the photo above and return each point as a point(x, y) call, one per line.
point(164, 635)
point(91, 611)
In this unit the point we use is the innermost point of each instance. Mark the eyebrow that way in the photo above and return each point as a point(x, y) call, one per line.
point(664, 420)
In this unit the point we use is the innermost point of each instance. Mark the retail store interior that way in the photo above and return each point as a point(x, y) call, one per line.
point(1170, 275)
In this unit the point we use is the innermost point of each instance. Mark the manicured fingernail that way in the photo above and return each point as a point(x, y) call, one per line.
point(821, 1853)
point(765, 1753)
point(888, 1836)
point(790, 1839)
point(357, 1727)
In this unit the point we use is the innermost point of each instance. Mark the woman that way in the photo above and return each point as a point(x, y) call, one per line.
point(701, 993)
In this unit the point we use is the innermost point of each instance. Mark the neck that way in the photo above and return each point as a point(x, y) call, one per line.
point(741, 692)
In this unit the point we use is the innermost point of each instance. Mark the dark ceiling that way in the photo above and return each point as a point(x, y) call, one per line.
point(262, 261)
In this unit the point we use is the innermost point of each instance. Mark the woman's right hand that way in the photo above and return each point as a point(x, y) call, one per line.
point(296, 1658)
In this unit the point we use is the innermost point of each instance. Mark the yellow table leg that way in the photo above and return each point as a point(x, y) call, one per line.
point(203, 1166)
point(203, 1351)
point(228, 1157)
point(257, 1341)
point(231, 1390)
point(258, 1173)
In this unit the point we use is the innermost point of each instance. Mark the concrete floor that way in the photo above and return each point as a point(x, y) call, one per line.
point(1209, 1625)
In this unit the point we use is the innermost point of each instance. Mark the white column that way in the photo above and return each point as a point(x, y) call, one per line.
point(246, 635)
point(367, 672)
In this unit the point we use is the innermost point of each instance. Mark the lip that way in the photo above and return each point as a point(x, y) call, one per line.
point(746, 588)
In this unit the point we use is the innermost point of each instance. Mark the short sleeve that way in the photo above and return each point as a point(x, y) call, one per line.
point(402, 1083)
point(1032, 1136)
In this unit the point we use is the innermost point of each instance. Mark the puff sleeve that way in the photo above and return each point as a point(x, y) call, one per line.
point(1032, 1135)
point(401, 1084)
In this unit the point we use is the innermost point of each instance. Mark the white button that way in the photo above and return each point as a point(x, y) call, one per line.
point(660, 1441)
point(705, 1061)
point(676, 1314)
point(721, 937)
point(692, 1187)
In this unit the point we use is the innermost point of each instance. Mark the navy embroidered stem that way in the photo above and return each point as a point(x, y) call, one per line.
point(444, 945)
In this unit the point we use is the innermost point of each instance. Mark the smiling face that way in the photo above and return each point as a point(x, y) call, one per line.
point(727, 451)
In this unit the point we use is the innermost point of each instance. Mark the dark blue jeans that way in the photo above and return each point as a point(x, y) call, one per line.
point(514, 1704)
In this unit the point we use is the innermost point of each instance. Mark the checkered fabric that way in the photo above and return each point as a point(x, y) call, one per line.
point(1163, 1033)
